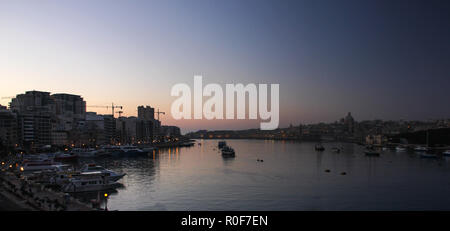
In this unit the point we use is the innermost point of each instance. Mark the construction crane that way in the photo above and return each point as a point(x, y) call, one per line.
point(120, 113)
point(158, 112)
point(112, 107)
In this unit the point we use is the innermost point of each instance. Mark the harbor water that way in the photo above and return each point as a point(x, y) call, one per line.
point(292, 176)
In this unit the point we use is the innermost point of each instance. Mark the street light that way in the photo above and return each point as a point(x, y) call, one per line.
point(106, 201)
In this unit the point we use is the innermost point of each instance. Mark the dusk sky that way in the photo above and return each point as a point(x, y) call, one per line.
point(376, 59)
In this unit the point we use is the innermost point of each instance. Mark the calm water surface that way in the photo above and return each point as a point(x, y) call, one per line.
point(292, 177)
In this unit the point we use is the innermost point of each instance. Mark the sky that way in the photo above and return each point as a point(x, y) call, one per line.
point(376, 59)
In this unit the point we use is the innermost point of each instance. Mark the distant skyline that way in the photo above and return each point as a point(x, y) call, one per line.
point(376, 59)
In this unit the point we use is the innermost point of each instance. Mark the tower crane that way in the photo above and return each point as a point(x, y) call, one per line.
point(112, 108)
point(158, 112)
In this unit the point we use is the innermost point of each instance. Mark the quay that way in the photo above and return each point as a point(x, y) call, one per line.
point(31, 196)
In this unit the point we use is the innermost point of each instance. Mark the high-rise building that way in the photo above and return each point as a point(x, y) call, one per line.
point(35, 110)
point(146, 113)
point(8, 127)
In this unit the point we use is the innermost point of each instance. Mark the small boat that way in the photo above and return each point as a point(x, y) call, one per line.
point(446, 153)
point(336, 150)
point(428, 155)
point(420, 149)
point(400, 149)
point(112, 176)
point(222, 144)
point(228, 152)
point(319, 147)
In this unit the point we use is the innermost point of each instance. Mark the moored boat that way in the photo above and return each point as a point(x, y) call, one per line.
point(319, 147)
point(111, 175)
point(85, 182)
point(228, 152)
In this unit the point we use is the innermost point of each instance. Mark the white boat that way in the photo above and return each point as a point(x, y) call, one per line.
point(39, 165)
point(131, 150)
point(420, 149)
point(112, 176)
point(400, 149)
point(446, 153)
point(85, 182)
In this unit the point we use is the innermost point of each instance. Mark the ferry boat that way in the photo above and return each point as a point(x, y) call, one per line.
point(85, 182)
point(112, 176)
point(222, 144)
point(228, 152)
point(319, 147)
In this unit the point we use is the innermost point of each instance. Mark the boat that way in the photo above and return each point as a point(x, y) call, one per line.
point(446, 153)
point(130, 150)
point(222, 144)
point(228, 152)
point(39, 165)
point(319, 147)
point(336, 150)
point(400, 149)
point(428, 155)
point(65, 156)
point(85, 182)
point(420, 149)
point(112, 176)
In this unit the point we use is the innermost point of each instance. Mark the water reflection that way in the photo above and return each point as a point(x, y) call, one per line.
point(293, 176)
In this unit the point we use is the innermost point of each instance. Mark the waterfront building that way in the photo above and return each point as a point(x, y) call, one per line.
point(35, 110)
point(8, 127)
point(170, 131)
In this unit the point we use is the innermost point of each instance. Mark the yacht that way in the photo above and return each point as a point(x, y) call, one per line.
point(112, 176)
point(39, 165)
point(228, 152)
point(90, 181)
point(131, 150)
point(65, 156)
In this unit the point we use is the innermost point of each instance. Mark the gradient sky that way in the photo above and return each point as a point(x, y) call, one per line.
point(377, 59)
